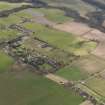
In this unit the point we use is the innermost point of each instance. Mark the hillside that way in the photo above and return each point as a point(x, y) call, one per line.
point(52, 52)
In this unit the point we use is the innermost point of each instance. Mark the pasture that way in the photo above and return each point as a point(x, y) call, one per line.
point(5, 62)
point(97, 84)
point(26, 88)
point(62, 40)
point(54, 15)
point(72, 73)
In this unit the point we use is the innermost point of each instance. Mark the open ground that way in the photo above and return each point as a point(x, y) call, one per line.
point(72, 50)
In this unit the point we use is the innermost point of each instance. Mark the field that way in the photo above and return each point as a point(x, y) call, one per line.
point(98, 88)
point(75, 4)
point(72, 73)
point(5, 5)
point(5, 62)
point(27, 88)
point(63, 40)
point(74, 46)
point(54, 15)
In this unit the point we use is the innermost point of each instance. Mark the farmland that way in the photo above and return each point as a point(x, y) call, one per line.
point(5, 62)
point(26, 88)
point(49, 56)
point(66, 41)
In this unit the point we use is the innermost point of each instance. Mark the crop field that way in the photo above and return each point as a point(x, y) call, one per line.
point(51, 43)
point(49, 51)
point(27, 88)
point(54, 15)
point(72, 73)
point(63, 40)
point(23, 87)
point(91, 64)
point(5, 5)
point(5, 62)
point(6, 33)
point(97, 84)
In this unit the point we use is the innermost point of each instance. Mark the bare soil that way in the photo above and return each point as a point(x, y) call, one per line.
point(74, 28)
point(56, 79)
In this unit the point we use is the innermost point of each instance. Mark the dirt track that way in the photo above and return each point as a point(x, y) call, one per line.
point(86, 103)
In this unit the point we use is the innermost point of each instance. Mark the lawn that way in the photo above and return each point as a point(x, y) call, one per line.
point(72, 73)
point(5, 62)
point(62, 40)
point(30, 89)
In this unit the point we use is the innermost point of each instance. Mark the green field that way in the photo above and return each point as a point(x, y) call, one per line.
point(54, 15)
point(62, 40)
point(97, 84)
point(5, 32)
point(26, 88)
point(7, 5)
point(72, 73)
point(30, 89)
point(4, 5)
point(5, 62)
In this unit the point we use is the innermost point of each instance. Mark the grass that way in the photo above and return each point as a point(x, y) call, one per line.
point(7, 34)
point(54, 15)
point(4, 6)
point(30, 89)
point(62, 40)
point(97, 84)
point(55, 54)
point(24, 14)
point(5, 62)
point(7, 5)
point(11, 19)
point(72, 73)
point(91, 92)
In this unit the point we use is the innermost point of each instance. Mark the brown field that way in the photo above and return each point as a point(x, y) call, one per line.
point(95, 35)
point(100, 50)
point(91, 64)
point(97, 84)
point(74, 27)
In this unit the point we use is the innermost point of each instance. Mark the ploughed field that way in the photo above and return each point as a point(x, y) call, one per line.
point(65, 52)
